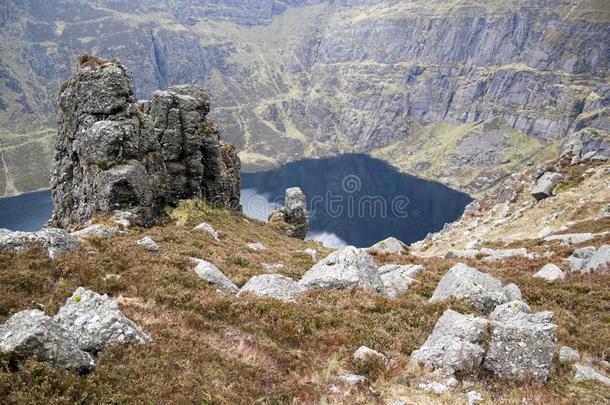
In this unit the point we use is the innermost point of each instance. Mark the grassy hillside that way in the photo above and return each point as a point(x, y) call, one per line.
point(214, 348)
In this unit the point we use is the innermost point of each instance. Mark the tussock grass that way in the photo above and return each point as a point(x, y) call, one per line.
point(214, 348)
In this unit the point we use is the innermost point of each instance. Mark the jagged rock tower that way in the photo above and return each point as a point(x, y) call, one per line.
point(116, 154)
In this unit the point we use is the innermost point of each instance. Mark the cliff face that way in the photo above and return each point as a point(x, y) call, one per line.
point(428, 87)
point(115, 154)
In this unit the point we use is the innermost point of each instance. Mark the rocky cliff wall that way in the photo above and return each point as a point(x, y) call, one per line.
point(310, 78)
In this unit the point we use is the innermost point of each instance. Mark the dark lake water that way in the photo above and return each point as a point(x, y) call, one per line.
point(352, 199)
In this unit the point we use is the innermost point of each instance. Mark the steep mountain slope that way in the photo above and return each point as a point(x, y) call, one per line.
point(429, 86)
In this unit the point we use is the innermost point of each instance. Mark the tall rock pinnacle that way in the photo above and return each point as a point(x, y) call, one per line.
point(114, 153)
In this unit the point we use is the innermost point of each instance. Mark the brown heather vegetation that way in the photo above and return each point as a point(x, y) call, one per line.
point(215, 349)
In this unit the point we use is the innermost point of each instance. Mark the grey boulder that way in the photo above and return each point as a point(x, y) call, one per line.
point(210, 273)
point(149, 244)
point(590, 260)
point(342, 269)
point(33, 334)
point(366, 354)
point(544, 185)
point(586, 373)
point(273, 286)
point(54, 241)
point(568, 355)
point(522, 346)
point(455, 345)
point(96, 230)
point(550, 272)
point(397, 279)
point(389, 245)
point(97, 322)
point(207, 228)
point(482, 290)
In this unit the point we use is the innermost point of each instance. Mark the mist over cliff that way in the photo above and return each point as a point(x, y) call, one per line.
point(449, 90)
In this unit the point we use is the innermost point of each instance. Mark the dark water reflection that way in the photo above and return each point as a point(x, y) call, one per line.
point(356, 200)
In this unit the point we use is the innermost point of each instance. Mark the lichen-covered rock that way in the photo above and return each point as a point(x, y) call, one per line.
point(149, 244)
point(544, 185)
point(586, 373)
point(522, 346)
point(366, 354)
point(111, 155)
point(344, 268)
point(210, 273)
point(293, 213)
point(389, 245)
point(550, 272)
point(482, 290)
point(397, 279)
point(207, 228)
point(509, 311)
point(105, 156)
point(97, 322)
point(273, 286)
point(455, 345)
point(33, 334)
point(590, 260)
point(96, 230)
point(568, 355)
point(52, 240)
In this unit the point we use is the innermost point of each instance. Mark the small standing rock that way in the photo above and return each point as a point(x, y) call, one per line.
point(210, 273)
point(550, 272)
point(568, 355)
point(207, 228)
point(149, 244)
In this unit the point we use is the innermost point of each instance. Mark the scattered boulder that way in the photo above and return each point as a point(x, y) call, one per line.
point(482, 290)
point(571, 238)
point(256, 246)
point(272, 267)
point(124, 218)
point(603, 213)
point(499, 255)
point(455, 345)
point(366, 354)
point(462, 254)
point(207, 228)
point(389, 245)
point(550, 272)
point(33, 334)
point(273, 286)
point(97, 322)
point(313, 253)
point(149, 244)
point(590, 260)
point(351, 379)
point(210, 273)
point(586, 373)
point(522, 346)
point(568, 355)
point(544, 185)
point(397, 279)
point(474, 397)
point(294, 213)
point(344, 268)
point(54, 241)
point(510, 310)
point(433, 388)
point(96, 230)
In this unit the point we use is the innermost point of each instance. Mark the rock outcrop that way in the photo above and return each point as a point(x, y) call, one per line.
point(590, 260)
point(52, 240)
point(116, 154)
point(292, 217)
